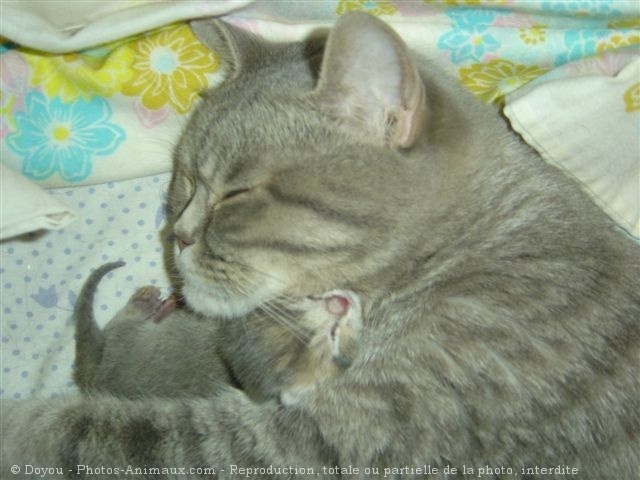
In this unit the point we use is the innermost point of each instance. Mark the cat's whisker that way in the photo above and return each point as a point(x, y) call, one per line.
point(288, 323)
point(266, 275)
point(272, 309)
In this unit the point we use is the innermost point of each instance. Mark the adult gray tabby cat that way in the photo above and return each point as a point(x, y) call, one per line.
point(500, 306)
point(152, 347)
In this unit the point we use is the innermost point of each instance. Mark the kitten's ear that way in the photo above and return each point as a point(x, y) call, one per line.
point(368, 74)
point(239, 49)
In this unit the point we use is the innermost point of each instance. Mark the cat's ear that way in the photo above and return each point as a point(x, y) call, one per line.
point(240, 50)
point(368, 74)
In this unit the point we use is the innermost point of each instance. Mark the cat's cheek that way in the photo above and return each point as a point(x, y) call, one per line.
point(236, 296)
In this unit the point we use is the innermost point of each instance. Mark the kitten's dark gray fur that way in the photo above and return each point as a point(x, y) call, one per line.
point(151, 348)
point(501, 306)
point(140, 354)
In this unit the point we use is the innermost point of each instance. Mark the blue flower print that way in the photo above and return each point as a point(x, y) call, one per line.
point(56, 137)
point(580, 44)
point(467, 18)
point(469, 39)
point(72, 298)
point(581, 7)
point(46, 297)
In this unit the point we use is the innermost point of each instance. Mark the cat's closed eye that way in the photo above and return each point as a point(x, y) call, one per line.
point(234, 193)
point(180, 195)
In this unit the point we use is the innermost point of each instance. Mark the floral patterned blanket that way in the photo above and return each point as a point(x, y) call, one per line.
point(112, 110)
point(93, 96)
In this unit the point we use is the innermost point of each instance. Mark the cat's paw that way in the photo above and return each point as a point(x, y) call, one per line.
point(148, 301)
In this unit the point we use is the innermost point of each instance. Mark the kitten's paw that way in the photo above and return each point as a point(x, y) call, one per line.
point(146, 294)
point(148, 301)
point(146, 298)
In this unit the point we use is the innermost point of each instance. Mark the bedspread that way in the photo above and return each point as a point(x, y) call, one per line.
point(94, 94)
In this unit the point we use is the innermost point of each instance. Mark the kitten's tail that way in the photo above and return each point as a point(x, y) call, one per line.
point(89, 338)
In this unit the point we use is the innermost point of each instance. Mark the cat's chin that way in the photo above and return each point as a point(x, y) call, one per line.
point(216, 302)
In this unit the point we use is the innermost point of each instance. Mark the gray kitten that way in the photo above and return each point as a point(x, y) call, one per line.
point(501, 315)
point(152, 348)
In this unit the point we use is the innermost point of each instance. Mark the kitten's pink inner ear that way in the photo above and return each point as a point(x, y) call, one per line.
point(337, 305)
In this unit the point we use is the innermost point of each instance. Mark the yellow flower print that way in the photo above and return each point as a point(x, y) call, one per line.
point(95, 72)
point(632, 98)
point(372, 7)
point(625, 23)
point(7, 123)
point(534, 35)
point(491, 81)
point(170, 68)
point(618, 40)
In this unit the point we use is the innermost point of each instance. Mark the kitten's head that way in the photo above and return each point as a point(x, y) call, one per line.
point(288, 182)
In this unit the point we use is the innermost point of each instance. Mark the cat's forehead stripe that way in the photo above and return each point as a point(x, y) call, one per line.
point(325, 210)
point(237, 168)
point(293, 248)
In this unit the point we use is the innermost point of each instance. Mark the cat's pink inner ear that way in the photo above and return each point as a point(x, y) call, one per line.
point(410, 120)
point(369, 76)
point(337, 305)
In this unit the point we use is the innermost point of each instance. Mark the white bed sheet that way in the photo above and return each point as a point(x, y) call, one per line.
point(41, 275)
